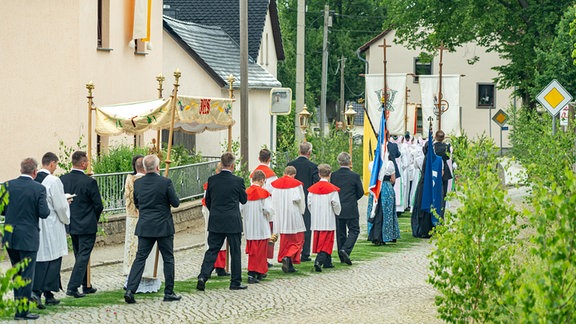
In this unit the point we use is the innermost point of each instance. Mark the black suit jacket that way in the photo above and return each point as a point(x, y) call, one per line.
point(26, 205)
point(153, 196)
point(306, 172)
point(393, 154)
point(350, 191)
point(87, 206)
point(224, 195)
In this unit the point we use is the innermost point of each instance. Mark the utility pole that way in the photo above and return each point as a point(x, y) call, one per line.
point(300, 62)
point(324, 70)
point(342, 103)
point(244, 130)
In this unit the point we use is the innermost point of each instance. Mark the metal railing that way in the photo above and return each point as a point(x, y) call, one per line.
point(188, 182)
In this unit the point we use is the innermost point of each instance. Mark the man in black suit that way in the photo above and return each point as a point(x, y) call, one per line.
point(153, 196)
point(307, 173)
point(224, 195)
point(347, 223)
point(26, 205)
point(85, 212)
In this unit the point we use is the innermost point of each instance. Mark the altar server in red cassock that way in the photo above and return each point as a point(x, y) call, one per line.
point(264, 158)
point(256, 214)
point(289, 204)
point(220, 264)
point(324, 205)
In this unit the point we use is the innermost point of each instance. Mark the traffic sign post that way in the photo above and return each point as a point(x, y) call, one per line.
point(554, 97)
point(501, 118)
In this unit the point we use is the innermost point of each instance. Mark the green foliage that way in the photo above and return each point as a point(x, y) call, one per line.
point(472, 264)
point(522, 32)
point(241, 168)
point(285, 135)
point(326, 149)
point(545, 156)
point(117, 159)
point(548, 291)
point(10, 279)
point(354, 23)
point(65, 153)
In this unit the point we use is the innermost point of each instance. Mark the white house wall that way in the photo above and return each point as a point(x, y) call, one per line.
point(267, 57)
point(475, 121)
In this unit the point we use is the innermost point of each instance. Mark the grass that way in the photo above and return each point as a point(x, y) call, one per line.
point(363, 251)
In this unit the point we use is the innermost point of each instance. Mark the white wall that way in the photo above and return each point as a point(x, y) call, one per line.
point(475, 121)
point(48, 52)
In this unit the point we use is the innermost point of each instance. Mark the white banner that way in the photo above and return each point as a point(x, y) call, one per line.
point(396, 101)
point(450, 121)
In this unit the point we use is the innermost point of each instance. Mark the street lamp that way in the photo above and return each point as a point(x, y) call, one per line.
point(304, 117)
point(350, 114)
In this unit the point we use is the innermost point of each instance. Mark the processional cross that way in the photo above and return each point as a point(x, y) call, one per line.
point(441, 104)
point(384, 98)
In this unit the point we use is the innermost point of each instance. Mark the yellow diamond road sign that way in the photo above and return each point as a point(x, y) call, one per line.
point(500, 118)
point(554, 97)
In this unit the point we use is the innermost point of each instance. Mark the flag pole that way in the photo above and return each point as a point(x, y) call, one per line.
point(177, 75)
point(89, 87)
point(160, 78)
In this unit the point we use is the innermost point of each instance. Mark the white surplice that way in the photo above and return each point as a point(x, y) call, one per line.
point(323, 210)
point(256, 215)
point(289, 206)
point(53, 242)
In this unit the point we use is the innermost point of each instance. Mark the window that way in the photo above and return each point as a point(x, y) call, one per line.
point(421, 67)
point(485, 95)
point(103, 25)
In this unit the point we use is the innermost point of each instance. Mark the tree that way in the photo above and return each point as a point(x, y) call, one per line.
point(354, 23)
point(517, 30)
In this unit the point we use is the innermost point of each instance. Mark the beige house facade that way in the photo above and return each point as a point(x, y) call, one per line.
point(480, 97)
point(47, 63)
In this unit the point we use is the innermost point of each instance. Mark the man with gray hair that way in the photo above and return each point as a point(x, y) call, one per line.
point(153, 196)
point(307, 173)
point(347, 223)
point(26, 206)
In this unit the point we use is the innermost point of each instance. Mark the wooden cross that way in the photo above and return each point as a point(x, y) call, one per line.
point(384, 97)
point(442, 48)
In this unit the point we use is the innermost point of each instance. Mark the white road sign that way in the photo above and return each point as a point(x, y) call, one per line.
point(554, 97)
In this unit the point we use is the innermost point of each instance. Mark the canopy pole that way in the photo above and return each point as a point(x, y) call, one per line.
point(160, 78)
point(89, 87)
point(231, 80)
point(177, 76)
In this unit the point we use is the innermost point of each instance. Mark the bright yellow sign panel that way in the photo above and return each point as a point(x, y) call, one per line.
point(500, 118)
point(554, 97)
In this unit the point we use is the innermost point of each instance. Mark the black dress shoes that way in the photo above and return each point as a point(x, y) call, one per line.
point(38, 300)
point(26, 317)
point(52, 301)
point(305, 259)
point(317, 266)
point(253, 280)
point(201, 285)
point(75, 293)
point(171, 297)
point(344, 257)
point(90, 290)
point(221, 272)
point(285, 264)
point(239, 287)
point(129, 297)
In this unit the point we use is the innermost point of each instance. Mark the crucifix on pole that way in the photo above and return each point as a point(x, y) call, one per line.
point(439, 101)
point(384, 98)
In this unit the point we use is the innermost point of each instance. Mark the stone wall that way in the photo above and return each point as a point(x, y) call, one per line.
point(113, 229)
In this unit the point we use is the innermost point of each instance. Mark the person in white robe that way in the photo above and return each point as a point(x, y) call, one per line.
point(53, 244)
point(324, 206)
point(289, 204)
point(256, 215)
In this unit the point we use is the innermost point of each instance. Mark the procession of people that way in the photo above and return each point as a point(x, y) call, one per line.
point(309, 209)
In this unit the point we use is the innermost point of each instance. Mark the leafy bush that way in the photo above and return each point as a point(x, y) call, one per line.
point(544, 155)
point(548, 290)
point(472, 264)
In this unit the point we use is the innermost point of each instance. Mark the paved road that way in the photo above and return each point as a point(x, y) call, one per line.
point(389, 289)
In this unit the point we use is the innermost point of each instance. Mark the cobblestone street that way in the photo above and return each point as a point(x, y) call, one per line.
point(387, 289)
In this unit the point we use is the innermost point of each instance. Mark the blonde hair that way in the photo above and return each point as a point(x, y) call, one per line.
point(290, 170)
point(324, 170)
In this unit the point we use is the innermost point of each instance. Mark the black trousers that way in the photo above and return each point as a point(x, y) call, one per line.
point(145, 245)
point(307, 234)
point(215, 241)
point(347, 231)
point(82, 245)
point(27, 273)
